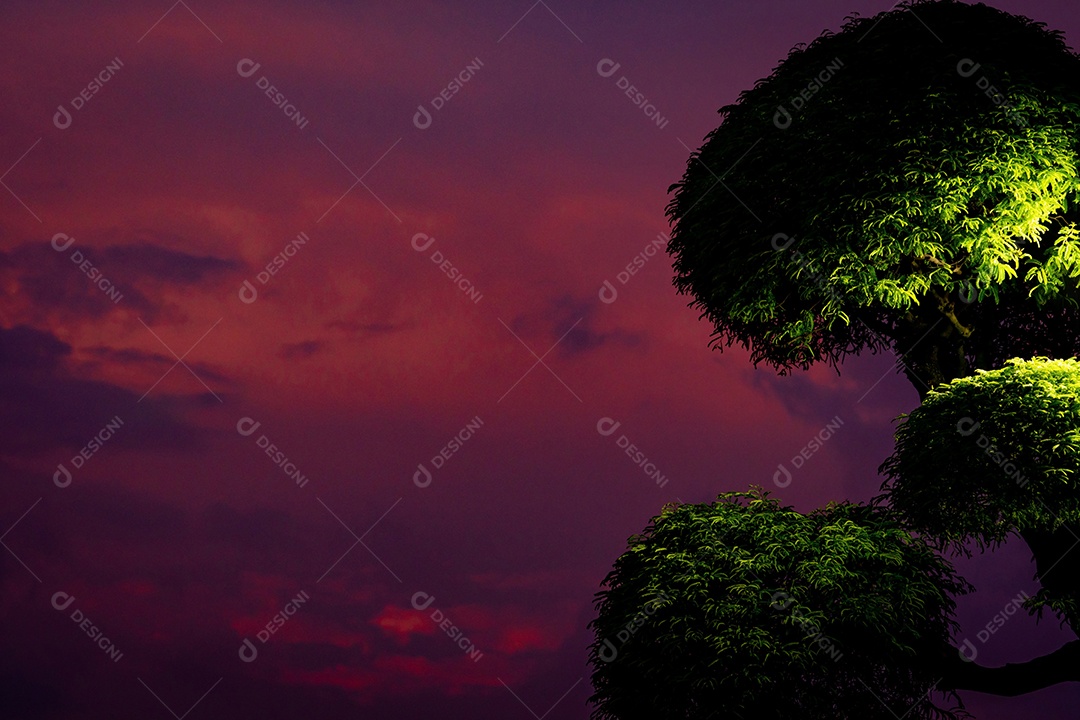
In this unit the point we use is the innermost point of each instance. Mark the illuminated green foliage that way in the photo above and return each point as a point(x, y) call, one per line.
point(747, 607)
point(903, 184)
point(909, 183)
point(995, 454)
point(991, 454)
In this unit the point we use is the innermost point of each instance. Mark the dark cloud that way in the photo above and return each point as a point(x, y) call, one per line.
point(89, 283)
point(45, 405)
point(171, 266)
point(50, 287)
point(574, 320)
point(153, 362)
point(300, 350)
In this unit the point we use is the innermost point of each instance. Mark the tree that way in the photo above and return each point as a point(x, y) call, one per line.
point(744, 608)
point(998, 454)
point(909, 183)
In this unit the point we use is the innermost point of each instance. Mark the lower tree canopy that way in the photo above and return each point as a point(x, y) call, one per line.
point(744, 608)
point(996, 454)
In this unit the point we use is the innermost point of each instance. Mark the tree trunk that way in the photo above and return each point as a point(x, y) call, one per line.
point(1057, 564)
point(931, 350)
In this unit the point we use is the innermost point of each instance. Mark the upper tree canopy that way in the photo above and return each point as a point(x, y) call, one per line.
point(915, 173)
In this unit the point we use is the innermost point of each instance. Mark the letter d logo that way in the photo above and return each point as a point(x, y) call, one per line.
point(62, 118)
point(779, 238)
point(246, 68)
point(780, 600)
point(421, 242)
point(968, 646)
point(608, 293)
point(248, 651)
point(967, 426)
point(781, 118)
point(62, 476)
point(248, 293)
point(781, 472)
point(422, 476)
point(422, 118)
point(967, 67)
point(62, 601)
point(422, 604)
point(59, 238)
point(245, 426)
point(607, 67)
point(606, 426)
point(608, 652)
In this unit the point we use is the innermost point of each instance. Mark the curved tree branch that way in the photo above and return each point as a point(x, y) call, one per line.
point(1011, 679)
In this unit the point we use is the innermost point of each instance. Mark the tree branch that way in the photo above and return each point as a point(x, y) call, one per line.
point(1011, 679)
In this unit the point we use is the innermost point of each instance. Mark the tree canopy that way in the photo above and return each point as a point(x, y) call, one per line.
point(995, 454)
point(912, 175)
point(909, 183)
point(744, 608)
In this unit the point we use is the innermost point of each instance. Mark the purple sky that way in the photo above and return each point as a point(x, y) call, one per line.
point(533, 180)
